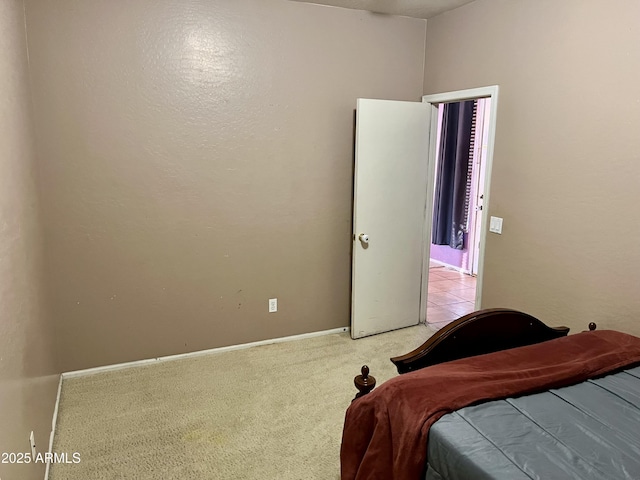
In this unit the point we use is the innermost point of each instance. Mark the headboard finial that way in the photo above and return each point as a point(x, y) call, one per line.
point(364, 382)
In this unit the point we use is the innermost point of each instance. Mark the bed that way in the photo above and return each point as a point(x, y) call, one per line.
point(498, 394)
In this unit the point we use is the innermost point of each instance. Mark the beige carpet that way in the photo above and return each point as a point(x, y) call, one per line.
point(269, 412)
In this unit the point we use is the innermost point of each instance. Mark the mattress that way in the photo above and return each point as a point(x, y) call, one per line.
point(590, 430)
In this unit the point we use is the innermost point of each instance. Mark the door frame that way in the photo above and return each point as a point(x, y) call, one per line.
point(434, 100)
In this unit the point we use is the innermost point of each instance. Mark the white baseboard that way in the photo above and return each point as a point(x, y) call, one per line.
point(451, 267)
point(54, 422)
point(138, 363)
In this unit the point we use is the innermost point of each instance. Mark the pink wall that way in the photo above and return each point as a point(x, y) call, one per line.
point(450, 256)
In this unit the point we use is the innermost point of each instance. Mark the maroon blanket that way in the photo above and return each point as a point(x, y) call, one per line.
point(385, 432)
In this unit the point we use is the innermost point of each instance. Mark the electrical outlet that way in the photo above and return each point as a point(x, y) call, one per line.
point(273, 305)
point(32, 443)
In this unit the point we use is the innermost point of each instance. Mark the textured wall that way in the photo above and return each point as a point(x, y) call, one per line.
point(197, 161)
point(27, 388)
point(566, 172)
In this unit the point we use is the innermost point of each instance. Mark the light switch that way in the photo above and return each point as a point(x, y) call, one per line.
point(495, 225)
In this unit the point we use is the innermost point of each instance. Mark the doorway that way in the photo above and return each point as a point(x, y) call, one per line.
point(393, 209)
point(461, 140)
point(453, 270)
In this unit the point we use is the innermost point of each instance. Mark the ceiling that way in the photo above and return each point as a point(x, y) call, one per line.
point(409, 8)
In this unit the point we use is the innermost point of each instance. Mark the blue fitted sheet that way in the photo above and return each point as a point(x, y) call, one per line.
point(590, 430)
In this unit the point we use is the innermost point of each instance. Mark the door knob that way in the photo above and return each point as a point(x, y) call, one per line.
point(364, 238)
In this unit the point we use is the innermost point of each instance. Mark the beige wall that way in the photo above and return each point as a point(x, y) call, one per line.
point(27, 388)
point(566, 173)
point(197, 161)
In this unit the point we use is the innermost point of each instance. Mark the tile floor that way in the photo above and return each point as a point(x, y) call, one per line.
point(451, 295)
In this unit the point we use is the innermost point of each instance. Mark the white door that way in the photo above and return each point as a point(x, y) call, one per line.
point(390, 197)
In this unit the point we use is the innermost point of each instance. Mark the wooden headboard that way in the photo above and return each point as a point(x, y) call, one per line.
point(477, 333)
